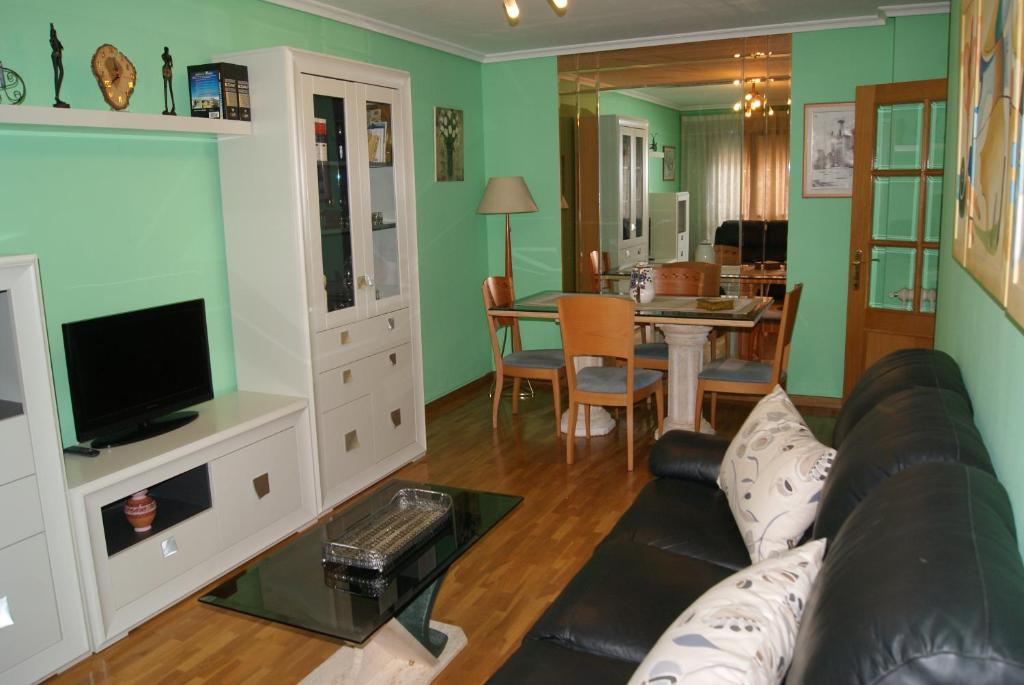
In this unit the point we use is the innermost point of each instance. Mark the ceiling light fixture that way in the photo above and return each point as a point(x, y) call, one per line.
point(511, 11)
point(559, 7)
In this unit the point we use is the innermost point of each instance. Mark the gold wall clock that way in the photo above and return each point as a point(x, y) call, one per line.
point(115, 75)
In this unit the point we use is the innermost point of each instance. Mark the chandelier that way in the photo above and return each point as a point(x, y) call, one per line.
point(560, 7)
point(754, 100)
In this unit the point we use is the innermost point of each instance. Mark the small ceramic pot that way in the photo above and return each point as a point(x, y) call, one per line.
point(641, 283)
point(140, 510)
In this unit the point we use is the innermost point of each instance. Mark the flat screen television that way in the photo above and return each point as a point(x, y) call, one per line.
point(129, 373)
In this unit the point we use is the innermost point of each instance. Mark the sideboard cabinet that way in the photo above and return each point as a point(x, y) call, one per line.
point(320, 230)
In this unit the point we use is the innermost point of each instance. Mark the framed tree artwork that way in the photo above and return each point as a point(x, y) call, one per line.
point(668, 163)
point(449, 154)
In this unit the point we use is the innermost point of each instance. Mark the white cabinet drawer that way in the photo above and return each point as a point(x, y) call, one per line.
point(29, 622)
point(146, 565)
point(394, 418)
point(345, 344)
point(20, 513)
point(346, 442)
point(346, 383)
point(15, 449)
point(255, 486)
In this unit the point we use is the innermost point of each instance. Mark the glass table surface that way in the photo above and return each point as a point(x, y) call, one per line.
point(670, 308)
point(295, 587)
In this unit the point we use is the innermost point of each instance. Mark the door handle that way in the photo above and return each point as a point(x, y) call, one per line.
point(857, 261)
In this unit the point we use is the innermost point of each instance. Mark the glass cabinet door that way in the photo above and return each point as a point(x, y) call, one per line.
point(626, 181)
point(384, 283)
point(640, 194)
point(332, 243)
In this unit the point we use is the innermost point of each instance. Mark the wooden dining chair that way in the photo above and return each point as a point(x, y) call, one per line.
point(685, 279)
point(600, 263)
point(602, 326)
point(742, 377)
point(546, 365)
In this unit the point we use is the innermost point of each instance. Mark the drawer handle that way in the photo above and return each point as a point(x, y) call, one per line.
point(169, 547)
point(351, 441)
point(394, 358)
point(391, 324)
point(396, 418)
point(261, 484)
point(5, 613)
point(346, 376)
point(345, 338)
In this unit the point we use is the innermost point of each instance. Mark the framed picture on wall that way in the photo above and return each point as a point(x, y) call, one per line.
point(828, 149)
point(449, 164)
point(668, 163)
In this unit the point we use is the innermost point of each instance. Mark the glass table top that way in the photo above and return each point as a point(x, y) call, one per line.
point(745, 309)
point(294, 586)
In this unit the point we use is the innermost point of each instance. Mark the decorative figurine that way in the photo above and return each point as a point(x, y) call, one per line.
point(168, 65)
point(12, 88)
point(57, 57)
point(115, 75)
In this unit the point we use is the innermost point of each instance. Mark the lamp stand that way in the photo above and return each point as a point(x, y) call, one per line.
point(508, 248)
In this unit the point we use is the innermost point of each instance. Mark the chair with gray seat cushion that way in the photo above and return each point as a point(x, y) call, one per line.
point(683, 279)
point(602, 326)
point(742, 377)
point(546, 365)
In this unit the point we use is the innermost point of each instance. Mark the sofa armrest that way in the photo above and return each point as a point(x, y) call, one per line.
point(688, 455)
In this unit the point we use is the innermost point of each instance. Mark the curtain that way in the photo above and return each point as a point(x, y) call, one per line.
point(710, 169)
point(766, 167)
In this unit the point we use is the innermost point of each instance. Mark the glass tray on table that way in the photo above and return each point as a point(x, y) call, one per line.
point(380, 539)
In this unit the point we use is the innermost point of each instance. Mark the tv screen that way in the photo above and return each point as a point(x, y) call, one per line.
point(126, 371)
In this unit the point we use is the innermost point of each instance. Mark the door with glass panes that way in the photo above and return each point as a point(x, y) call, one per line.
point(355, 200)
point(384, 283)
point(633, 180)
point(899, 151)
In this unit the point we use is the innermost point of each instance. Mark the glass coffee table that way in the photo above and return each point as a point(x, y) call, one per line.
point(296, 587)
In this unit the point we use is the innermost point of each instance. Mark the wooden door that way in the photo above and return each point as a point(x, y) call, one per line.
point(894, 238)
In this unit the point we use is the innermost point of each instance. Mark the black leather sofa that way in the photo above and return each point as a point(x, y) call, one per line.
point(762, 240)
point(922, 580)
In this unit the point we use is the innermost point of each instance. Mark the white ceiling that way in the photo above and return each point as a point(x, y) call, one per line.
point(478, 29)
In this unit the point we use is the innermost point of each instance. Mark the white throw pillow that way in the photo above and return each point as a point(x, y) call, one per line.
point(772, 475)
point(742, 630)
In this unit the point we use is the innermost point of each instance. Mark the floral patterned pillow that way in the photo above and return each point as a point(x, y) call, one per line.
point(772, 475)
point(742, 630)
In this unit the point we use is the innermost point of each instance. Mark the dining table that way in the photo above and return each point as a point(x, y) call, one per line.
point(685, 326)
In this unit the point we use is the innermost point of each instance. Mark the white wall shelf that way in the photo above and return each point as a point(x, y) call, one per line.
point(110, 122)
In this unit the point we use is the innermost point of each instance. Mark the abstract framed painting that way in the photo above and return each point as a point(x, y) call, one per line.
point(993, 170)
point(969, 19)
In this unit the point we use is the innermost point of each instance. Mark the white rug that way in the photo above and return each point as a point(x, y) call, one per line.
point(391, 657)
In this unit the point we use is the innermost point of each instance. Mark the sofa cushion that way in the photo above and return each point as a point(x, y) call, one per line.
point(624, 598)
point(892, 373)
point(910, 427)
point(685, 517)
point(742, 630)
point(923, 584)
point(540, 662)
point(772, 475)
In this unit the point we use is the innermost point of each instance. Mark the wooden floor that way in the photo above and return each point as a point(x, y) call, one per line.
point(495, 592)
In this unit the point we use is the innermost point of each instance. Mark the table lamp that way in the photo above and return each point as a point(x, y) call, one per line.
point(506, 195)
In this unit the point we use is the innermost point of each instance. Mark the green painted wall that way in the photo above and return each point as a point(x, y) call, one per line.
point(827, 67)
point(121, 222)
point(521, 139)
point(664, 122)
point(973, 328)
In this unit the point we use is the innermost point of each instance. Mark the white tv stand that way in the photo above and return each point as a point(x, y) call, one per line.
point(228, 485)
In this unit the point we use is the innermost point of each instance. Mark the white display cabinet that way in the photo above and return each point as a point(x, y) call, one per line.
point(625, 218)
point(319, 218)
point(670, 226)
point(42, 620)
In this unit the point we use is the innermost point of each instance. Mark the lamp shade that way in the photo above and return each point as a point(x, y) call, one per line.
point(506, 195)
